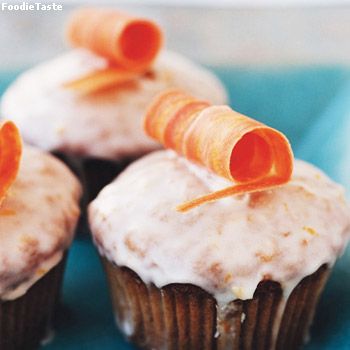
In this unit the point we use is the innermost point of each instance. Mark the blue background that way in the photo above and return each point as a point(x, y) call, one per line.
point(311, 105)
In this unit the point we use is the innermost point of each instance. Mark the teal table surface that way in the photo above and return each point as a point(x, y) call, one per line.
point(311, 105)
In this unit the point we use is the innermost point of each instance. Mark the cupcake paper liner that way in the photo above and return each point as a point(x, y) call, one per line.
point(184, 316)
point(25, 321)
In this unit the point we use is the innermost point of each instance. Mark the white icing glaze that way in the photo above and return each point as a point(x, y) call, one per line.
point(226, 247)
point(37, 221)
point(107, 124)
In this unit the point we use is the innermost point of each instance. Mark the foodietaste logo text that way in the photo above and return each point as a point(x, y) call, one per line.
point(33, 6)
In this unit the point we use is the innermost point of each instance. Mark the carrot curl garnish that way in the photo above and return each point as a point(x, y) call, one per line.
point(10, 156)
point(252, 155)
point(129, 42)
point(130, 45)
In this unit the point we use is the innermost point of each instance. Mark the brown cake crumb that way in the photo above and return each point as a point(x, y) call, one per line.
point(304, 242)
point(215, 269)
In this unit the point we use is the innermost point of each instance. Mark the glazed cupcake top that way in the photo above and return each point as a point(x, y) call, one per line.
point(37, 220)
point(226, 247)
point(105, 124)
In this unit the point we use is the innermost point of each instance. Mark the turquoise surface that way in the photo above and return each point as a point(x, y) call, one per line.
point(312, 106)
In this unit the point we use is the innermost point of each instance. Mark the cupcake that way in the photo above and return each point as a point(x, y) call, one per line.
point(86, 106)
point(39, 209)
point(198, 260)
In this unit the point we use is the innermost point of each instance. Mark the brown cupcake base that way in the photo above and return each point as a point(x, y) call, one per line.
point(25, 321)
point(184, 316)
point(94, 174)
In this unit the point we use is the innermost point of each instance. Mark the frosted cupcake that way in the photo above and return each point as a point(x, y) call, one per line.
point(87, 105)
point(223, 271)
point(38, 213)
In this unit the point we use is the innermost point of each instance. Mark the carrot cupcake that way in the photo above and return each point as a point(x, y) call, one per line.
point(227, 249)
point(87, 105)
point(38, 212)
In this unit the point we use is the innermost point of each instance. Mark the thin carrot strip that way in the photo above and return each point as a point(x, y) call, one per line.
point(252, 155)
point(10, 156)
point(101, 80)
point(7, 212)
point(230, 191)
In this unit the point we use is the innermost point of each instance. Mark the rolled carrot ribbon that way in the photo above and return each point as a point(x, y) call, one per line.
point(130, 44)
point(10, 156)
point(126, 41)
point(252, 155)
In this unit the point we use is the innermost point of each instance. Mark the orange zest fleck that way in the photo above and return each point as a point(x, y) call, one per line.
point(10, 156)
point(252, 155)
point(130, 44)
point(310, 230)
